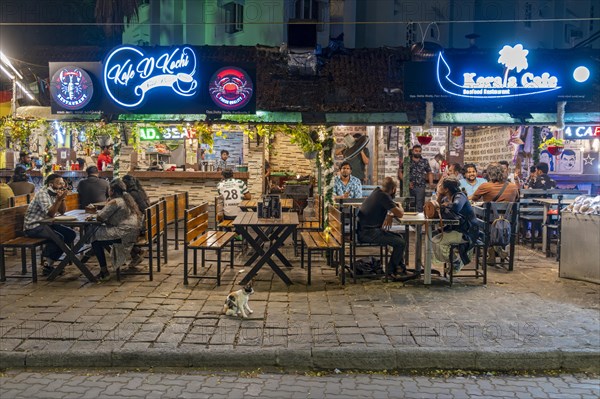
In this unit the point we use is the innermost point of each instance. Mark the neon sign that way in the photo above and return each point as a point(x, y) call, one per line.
point(71, 88)
point(231, 88)
point(582, 132)
point(169, 133)
point(505, 86)
point(129, 74)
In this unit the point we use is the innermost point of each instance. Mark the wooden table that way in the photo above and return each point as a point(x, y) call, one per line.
point(87, 229)
point(251, 205)
point(548, 204)
point(275, 231)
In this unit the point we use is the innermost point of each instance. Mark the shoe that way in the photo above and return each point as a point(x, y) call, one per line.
point(103, 276)
point(47, 270)
point(528, 235)
point(136, 261)
point(457, 265)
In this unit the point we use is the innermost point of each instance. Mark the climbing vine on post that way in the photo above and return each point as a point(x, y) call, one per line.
point(406, 163)
point(326, 159)
point(537, 140)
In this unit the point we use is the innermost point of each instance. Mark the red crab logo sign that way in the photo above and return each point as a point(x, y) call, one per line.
point(231, 88)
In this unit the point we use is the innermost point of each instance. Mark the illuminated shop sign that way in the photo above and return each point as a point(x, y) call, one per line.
point(169, 133)
point(512, 83)
point(131, 75)
point(71, 88)
point(231, 88)
point(581, 132)
point(505, 79)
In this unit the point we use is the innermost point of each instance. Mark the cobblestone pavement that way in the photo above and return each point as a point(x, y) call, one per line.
point(100, 384)
point(530, 308)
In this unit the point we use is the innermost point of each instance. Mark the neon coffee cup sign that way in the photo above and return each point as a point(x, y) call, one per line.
point(513, 78)
point(130, 75)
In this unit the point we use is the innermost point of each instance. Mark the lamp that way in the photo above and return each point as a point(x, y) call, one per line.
point(14, 76)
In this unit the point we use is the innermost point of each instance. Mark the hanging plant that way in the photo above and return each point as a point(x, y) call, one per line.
point(424, 138)
point(205, 135)
point(101, 131)
point(305, 137)
point(18, 130)
point(554, 146)
point(267, 132)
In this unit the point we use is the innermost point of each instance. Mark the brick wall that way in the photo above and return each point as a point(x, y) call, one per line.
point(288, 156)
point(485, 145)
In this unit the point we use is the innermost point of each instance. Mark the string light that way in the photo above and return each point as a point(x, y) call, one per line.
point(7, 62)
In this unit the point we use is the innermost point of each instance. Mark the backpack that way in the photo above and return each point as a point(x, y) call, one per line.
point(368, 266)
point(500, 230)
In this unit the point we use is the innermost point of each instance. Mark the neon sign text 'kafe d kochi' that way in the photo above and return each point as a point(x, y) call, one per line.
point(129, 74)
point(512, 59)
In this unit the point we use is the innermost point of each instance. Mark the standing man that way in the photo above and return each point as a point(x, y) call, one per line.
point(420, 174)
point(49, 202)
point(24, 160)
point(345, 185)
point(222, 163)
point(104, 159)
point(510, 177)
point(233, 192)
point(93, 189)
point(471, 182)
point(375, 217)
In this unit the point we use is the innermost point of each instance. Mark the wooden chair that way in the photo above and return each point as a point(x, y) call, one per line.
point(220, 222)
point(11, 236)
point(150, 240)
point(19, 200)
point(329, 242)
point(198, 237)
point(310, 225)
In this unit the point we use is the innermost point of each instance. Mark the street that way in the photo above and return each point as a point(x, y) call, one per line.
point(178, 383)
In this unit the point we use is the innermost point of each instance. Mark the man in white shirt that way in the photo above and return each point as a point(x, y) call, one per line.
point(471, 182)
point(233, 192)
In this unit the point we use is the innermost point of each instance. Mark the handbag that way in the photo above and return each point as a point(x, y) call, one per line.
point(430, 209)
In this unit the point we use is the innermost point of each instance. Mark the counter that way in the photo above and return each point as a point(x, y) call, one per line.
point(579, 249)
point(186, 175)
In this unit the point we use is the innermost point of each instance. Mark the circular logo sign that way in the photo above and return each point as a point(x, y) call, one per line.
point(71, 88)
point(230, 88)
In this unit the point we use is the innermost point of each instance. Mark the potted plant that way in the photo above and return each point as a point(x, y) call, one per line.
point(424, 138)
point(456, 132)
point(554, 146)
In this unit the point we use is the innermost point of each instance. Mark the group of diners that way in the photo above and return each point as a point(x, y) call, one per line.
point(121, 216)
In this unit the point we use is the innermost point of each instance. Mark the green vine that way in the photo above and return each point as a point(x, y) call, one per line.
point(327, 148)
point(406, 163)
point(306, 137)
point(537, 139)
point(19, 130)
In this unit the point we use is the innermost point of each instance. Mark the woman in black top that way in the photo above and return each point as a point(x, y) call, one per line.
point(135, 189)
point(458, 208)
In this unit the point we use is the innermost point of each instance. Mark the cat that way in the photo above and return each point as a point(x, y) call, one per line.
point(236, 303)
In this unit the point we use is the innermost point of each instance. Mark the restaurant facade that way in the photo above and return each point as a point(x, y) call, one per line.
point(166, 102)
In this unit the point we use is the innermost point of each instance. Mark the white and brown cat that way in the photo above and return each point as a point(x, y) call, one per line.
point(236, 303)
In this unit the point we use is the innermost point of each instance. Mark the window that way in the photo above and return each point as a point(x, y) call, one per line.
point(234, 17)
point(306, 9)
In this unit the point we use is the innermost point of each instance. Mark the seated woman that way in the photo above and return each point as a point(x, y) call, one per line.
point(122, 222)
point(20, 182)
point(457, 207)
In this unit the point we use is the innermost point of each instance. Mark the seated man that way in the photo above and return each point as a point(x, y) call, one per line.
point(470, 183)
point(375, 217)
point(346, 185)
point(541, 179)
point(233, 192)
point(497, 189)
point(93, 189)
point(49, 202)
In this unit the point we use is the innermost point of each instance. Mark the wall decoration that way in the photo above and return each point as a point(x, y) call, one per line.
point(231, 88)
point(570, 162)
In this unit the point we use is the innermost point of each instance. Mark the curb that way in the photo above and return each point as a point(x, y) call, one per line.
point(376, 359)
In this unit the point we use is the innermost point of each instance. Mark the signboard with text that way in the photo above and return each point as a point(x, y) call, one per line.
point(581, 132)
point(506, 79)
point(153, 80)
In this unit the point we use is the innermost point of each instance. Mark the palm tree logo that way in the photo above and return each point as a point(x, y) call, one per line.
point(513, 58)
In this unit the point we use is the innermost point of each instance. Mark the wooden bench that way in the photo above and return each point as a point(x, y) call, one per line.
point(326, 241)
point(20, 200)
point(150, 240)
point(310, 225)
point(175, 206)
point(220, 222)
point(199, 238)
point(11, 236)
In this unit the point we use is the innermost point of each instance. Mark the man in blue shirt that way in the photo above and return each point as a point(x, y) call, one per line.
point(345, 185)
point(471, 182)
